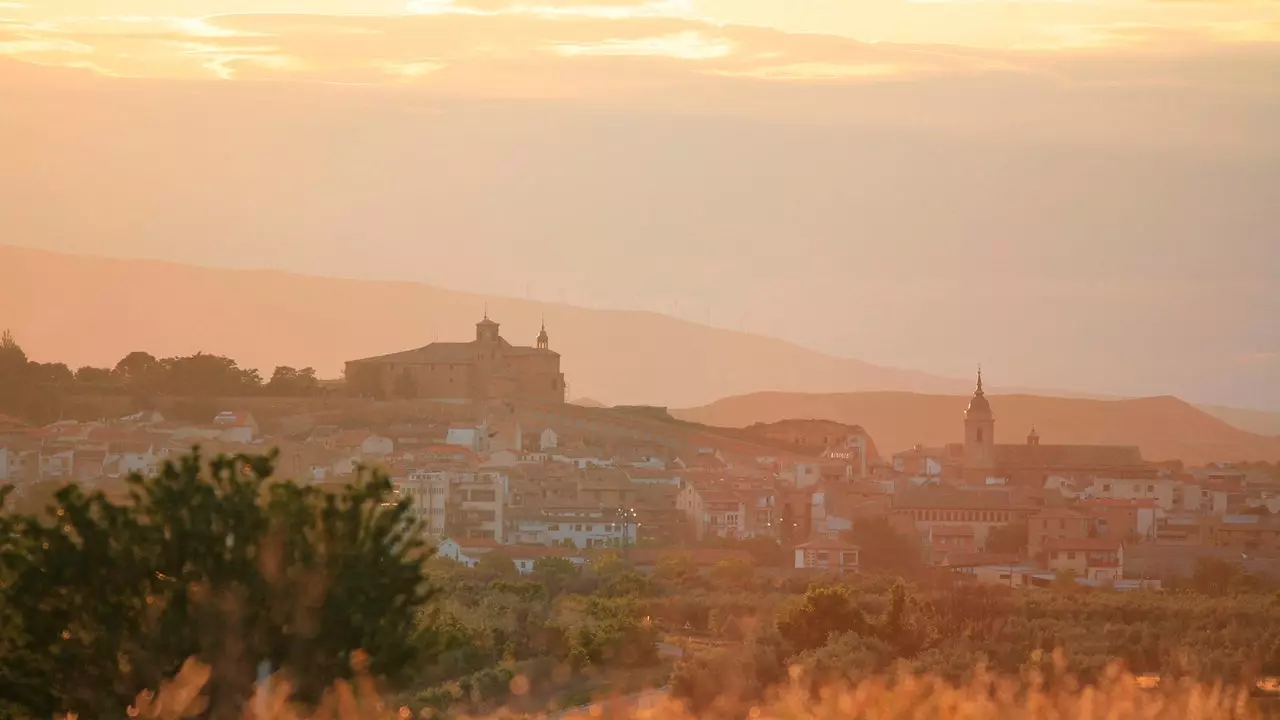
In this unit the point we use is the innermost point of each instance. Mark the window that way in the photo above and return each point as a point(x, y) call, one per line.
point(483, 496)
point(553, 528)
point(980, 436)
point(1071, 554)
point(1151, 488)
point(1062, 524)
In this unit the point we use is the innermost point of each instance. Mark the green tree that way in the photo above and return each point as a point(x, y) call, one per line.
point(139, 370)
point(211, 561)
point(95, 376)
point(733, 573)
point(291, 382)
point(824, 611)
point(675, 568)
point(497, 564)
point(555, 573)
point(608, 563)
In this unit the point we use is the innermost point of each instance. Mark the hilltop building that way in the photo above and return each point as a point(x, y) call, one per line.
point(980, 460)
point(487, 369)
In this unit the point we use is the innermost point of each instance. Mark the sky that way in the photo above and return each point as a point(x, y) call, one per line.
point(1077, 194)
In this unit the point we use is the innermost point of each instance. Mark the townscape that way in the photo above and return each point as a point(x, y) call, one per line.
point(478, 438)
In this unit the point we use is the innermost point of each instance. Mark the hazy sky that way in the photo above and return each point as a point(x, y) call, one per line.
point(1082, 195)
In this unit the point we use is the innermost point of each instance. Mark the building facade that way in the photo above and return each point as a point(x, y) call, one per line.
point(487, 369)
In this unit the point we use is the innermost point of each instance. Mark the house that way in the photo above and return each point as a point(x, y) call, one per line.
point(1095, 559)
point(56, 463)
point(579, 527)
point(362, 442)
point(467, 436)
point(1246, 532)
point(136, 457)
point(943, 541)
point(1060, 523)
point(235, 427)
point(1123, 520)
point(826, 554)
point(466, 552)
point(526, 558)
point(980, 508)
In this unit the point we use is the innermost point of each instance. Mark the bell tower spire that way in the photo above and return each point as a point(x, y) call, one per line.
point(544, 342)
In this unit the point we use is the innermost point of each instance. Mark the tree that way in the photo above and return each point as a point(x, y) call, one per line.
point(498, 564)
point(95, 376)
point(214, 562)
point(823, 612)
point(556, 573)
point(675, 568)
point(733, 572)
point(1008, 539)
point(138, 369)
point(608, 563)
point(289, 382)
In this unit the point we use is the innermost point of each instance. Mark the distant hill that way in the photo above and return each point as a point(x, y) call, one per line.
point(92, 311)
point(1255, 421)
point(1163, 427)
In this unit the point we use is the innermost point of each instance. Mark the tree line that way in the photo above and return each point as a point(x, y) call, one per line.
point(38, 391)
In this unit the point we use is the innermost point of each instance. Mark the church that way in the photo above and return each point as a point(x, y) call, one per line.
point(487, 369)
point(980, 459)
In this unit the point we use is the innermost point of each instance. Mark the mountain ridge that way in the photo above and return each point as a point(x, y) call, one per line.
point(101, 308)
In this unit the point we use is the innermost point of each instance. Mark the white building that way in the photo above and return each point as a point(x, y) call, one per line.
point(235, 427)
point(582, 528)
point(548, 440)
point(824, 554)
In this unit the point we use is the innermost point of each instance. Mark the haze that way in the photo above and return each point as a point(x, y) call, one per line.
point(1077, 195)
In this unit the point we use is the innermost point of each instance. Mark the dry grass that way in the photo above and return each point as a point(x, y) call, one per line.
point(1119, 696)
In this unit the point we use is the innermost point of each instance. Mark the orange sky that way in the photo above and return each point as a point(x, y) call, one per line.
point(414, 41)
point(1080, 194)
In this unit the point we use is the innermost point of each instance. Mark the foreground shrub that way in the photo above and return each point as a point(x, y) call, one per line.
point(215, 562)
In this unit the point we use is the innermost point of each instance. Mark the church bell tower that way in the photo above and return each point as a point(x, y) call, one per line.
point(979, 430)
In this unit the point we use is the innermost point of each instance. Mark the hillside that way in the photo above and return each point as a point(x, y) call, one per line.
point(92, 311)
point(1164, 427)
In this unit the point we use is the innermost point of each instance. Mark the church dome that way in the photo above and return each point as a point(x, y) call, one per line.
point(978, 405)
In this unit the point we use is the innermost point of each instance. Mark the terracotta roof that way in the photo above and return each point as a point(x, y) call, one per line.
point(1064, 513)
point(1068, 456)
point(1121, 502)
point(931, 498)
point(1087, 544)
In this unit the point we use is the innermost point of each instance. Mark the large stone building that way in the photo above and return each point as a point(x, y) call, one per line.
point(980, 459)
point(486, 369)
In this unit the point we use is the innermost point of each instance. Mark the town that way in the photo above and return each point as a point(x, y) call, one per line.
point(478, 438)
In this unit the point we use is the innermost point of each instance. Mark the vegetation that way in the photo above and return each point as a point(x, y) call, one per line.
point(214, 561)
point(40, 391)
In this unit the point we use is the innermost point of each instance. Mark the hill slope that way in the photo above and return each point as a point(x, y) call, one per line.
point(87, 310)
point(1164, 427)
